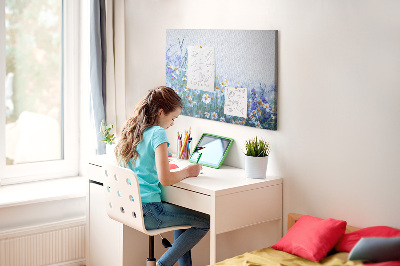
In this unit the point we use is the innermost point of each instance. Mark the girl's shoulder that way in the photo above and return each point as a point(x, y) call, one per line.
point(156, 135)
point(154, 129)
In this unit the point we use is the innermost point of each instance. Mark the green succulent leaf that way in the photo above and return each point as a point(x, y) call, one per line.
point(257, 147)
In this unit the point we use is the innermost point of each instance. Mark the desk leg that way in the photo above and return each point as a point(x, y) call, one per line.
point(213, 235)
point(213, 247)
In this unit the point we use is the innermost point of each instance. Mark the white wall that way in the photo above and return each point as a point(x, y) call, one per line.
point(337, 145)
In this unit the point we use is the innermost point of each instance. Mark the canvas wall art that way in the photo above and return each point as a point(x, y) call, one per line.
point(228, 76)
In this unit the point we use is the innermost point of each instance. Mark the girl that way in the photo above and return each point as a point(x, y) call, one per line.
point(143, 148)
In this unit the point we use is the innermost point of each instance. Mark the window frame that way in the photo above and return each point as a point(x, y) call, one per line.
point(69, 165)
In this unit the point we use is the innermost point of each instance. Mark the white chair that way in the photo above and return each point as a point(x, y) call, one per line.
point(125, 205)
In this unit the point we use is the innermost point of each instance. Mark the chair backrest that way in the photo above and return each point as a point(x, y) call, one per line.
point(123, 202)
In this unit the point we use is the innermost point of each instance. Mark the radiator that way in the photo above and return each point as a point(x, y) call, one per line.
point(61, 243)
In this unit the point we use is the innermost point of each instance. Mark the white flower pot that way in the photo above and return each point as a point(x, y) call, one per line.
point(255, 167)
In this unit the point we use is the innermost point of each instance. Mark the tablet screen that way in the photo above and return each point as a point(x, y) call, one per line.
point(211, 149)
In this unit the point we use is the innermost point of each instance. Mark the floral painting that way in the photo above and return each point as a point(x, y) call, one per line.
point(243, 59)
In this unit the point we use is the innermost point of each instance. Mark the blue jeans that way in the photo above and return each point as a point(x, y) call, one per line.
point(161, 214)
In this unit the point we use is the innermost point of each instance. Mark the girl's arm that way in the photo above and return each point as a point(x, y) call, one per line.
point(166, 177)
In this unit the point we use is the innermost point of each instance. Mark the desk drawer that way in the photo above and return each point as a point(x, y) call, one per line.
point(238, 210)
point(186, 198)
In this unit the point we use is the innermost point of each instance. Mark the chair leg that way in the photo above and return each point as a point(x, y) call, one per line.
point(151, 261)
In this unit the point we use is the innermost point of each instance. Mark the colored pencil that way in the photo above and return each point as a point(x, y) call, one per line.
point(183, 145)
point(198, 158)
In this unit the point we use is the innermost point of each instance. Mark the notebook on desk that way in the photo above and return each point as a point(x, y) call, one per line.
point(173, 167)
point(177, 164)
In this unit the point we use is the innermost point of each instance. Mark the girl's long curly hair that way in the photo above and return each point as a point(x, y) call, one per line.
point(145, 116)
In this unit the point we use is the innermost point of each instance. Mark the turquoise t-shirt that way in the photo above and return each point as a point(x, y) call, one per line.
point(145, 165)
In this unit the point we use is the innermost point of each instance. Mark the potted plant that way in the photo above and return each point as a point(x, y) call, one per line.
point(109, 138)
point(256, 158)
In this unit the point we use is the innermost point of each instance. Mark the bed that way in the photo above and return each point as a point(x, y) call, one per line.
point(315, 241)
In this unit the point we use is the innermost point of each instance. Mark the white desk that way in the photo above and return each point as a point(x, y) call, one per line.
point(232, 200)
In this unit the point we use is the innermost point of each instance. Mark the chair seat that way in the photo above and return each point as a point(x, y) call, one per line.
point(165, 229)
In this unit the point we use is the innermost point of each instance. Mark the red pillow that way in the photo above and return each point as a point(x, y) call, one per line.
point(349, 240)
point(311, 237)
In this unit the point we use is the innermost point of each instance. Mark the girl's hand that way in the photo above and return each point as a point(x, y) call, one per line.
point(193, 170)
point(165, 176)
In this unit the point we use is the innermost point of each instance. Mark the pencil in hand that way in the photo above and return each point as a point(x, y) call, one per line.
point(198, 158)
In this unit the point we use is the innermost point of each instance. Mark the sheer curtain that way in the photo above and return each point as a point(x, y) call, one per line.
point(98, 63)
point(107, 65)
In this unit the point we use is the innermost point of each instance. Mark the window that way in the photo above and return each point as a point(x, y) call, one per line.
point(39, 89)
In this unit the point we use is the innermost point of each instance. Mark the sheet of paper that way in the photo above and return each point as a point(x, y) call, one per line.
point(236, 101)
point(201, 68)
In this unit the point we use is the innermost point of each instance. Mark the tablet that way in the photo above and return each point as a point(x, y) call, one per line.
point(211, 150)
